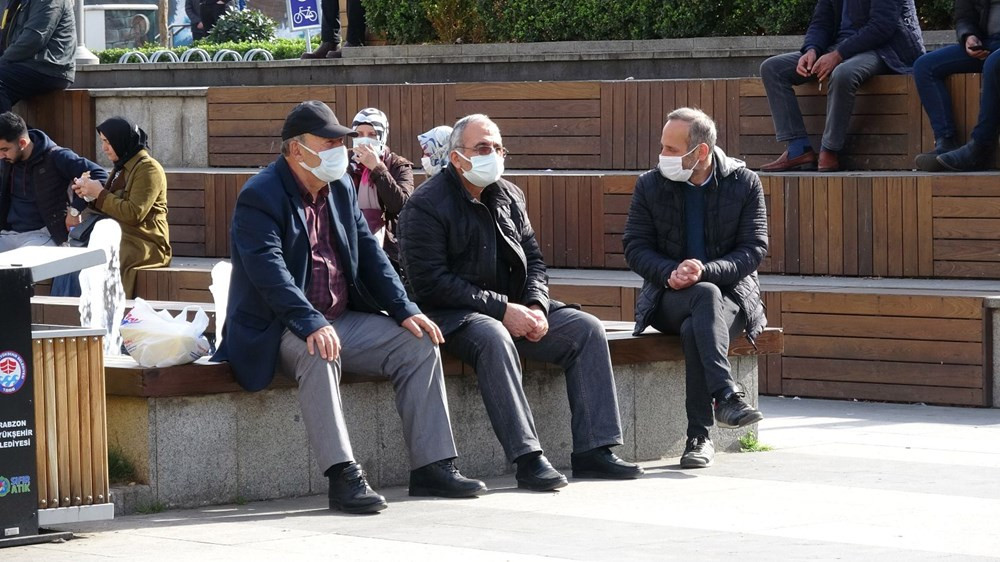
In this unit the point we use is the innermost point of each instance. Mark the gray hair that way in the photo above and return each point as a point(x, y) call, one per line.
point(455, 140)
point(702, 127)
point(286, 145)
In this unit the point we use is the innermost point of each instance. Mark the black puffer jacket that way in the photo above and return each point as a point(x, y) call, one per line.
point(972, 17)
point(449, 251)
point(735, 238)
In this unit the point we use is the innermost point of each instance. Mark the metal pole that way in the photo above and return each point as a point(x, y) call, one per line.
point(83, 54)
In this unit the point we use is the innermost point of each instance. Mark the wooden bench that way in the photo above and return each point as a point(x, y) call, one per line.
point(589, 125)
point(196, 438)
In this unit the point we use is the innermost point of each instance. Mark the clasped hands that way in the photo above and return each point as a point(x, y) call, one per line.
point(821, 67)
point(527, 322)
point(687, 273)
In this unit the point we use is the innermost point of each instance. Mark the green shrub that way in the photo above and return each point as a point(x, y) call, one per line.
point(415, 21)
point(242, 26)
point(280, 48)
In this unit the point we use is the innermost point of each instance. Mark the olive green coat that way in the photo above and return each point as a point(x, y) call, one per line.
point(137, 198)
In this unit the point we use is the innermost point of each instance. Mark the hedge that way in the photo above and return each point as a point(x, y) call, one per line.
point(522, 21)
point(280, 48)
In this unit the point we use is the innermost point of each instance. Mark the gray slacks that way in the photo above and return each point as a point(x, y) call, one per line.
point(778, 74)
point(375, 345)
point(577, 343)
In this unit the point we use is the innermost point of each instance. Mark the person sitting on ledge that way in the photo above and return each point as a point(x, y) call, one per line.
point(37, 49)
point(330, 29)
point(135, 196)
point(977, 25)
point(312, 294)
point(848, 42)
point(35, 175)
point(472, 260)
point(696, 232)
point(434, 144)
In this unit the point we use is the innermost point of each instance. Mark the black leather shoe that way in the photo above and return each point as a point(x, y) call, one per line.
point(972, 156)
point(443, 479)
point(537, 474)
point(602, 463)
point(350, 492)
point(324, 50)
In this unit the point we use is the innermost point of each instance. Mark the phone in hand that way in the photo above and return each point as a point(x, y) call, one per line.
point(978, 48)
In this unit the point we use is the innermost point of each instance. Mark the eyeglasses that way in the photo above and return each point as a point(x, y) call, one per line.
point(485, 149)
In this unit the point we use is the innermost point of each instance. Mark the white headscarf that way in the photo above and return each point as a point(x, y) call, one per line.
point(435, 146)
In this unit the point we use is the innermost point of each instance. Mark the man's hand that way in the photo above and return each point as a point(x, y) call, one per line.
point(543, 325)
point(825, 64)
point(687, 273)
point(418, 324)
point(72, 222)
point(366, 156)
point(972, 41)
point(324, 340)
point(519, 320)
point(201, 25)
point(806, 62)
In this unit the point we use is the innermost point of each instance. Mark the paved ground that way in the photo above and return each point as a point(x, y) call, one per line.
point(845, 481)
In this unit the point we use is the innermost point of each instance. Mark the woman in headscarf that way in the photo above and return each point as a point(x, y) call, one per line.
point(135, 195)
point(435, 146)
point(384, 179)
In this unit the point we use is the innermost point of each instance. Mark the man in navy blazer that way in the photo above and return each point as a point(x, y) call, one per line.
point(848, 42)
point(308, 295)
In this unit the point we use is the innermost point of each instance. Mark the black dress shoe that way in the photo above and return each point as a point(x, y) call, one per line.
point(536, 474)
point(324, 50)
point(971, 156)
point(443, 479)
point(602, 463)
point(350, 492)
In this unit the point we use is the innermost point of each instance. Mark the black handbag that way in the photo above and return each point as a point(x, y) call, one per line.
point(79, 235)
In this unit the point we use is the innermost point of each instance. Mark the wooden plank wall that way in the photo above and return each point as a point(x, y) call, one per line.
point(966, 226)
point(873, 346)
point(66, 116)
point(592, 125)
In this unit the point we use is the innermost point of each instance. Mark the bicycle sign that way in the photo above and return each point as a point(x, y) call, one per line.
point(303, 14)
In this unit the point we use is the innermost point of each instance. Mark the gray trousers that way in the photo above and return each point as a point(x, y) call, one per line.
point(577, 343)
point(10, 240)
point(376, 345)
point(778, 74)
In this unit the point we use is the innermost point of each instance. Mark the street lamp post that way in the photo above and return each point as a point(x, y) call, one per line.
point(83, 54)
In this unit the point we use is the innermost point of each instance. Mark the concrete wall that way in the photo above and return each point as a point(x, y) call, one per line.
point(176, 120)
point(216, 449)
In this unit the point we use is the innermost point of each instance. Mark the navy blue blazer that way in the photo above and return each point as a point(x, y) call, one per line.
point(888, 27)
point(271, 269)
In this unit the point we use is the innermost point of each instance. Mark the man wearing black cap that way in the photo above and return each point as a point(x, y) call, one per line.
point(308, 290)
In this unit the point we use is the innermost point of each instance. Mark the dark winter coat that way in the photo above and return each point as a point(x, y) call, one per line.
point(888, 27)
point(735, 238)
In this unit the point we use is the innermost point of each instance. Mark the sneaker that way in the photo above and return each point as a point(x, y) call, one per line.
point(698, 453)
point(733, 411)
point(350, 492)
point(443, 479)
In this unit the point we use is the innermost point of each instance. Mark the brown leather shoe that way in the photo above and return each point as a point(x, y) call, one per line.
point(805, 161)
point(324, 49)
point(828, 161)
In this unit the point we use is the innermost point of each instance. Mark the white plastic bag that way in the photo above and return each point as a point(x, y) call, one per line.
point(157, 339)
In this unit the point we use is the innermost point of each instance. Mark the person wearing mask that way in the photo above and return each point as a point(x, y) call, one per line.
point(384, 179)
point(434, 144)
point(135, 196)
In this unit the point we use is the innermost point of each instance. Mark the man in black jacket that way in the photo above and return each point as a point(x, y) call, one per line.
point(37, 49)
point(35, 174)
point(472, 260)
point(696, 232)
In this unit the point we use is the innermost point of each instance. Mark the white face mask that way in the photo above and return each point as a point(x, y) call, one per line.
point(672, 168)
point(373, 142)
point(332, 166)
point(429, 167)
point(486, 170)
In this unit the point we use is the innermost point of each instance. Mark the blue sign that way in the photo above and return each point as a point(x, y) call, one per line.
point(303, 14)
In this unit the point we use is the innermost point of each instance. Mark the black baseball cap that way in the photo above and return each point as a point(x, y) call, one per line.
point(317, 118)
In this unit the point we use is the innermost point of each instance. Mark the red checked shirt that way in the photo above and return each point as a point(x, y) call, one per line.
point(327, 289)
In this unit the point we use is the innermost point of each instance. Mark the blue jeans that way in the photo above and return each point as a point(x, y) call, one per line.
point(706, 320)
point(778, 74)
point(577, 343)
point(18, 82)
point(930, 72)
